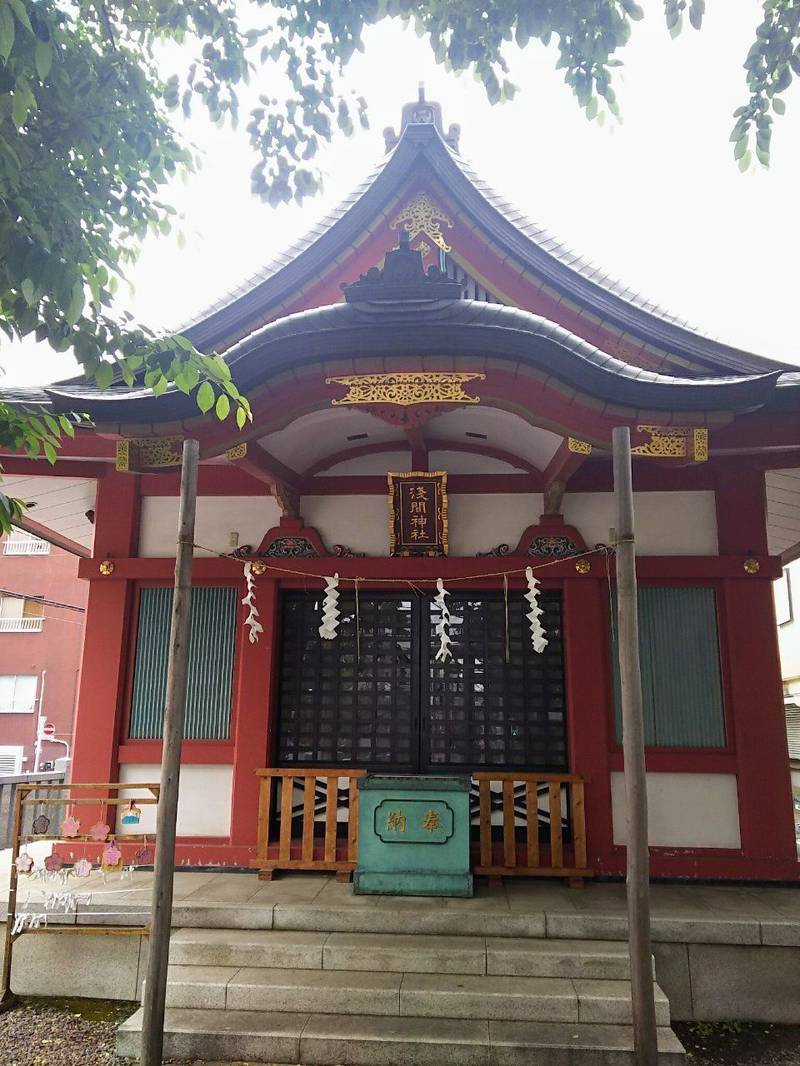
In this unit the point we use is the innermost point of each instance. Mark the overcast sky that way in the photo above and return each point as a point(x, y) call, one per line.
point(657, 201)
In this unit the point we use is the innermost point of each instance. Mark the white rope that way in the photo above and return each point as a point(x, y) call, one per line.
point(443, 625)
point(330, 608)
point(538, 635)
point(250, 602)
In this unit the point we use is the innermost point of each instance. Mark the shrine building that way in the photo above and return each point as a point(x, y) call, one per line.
point(434, 381)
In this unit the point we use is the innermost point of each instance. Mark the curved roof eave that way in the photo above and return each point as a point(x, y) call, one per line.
point(507, 227)
point(442, 328)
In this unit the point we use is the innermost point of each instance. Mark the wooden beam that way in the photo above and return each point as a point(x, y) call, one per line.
point(36, 529)
point(569, 456)
point(282, 481)
point(415, 435)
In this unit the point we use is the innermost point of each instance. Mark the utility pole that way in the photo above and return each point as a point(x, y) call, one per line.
point(638, 856)
point(174, 712)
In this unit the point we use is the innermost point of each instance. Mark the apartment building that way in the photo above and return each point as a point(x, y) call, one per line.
point(42, 610)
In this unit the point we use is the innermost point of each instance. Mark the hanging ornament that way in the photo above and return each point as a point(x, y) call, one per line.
point(82, 868)
point(250, 602)
point(443, 625)
point(330, 608)
point(132, 814)
point(144, 856)
point(41, 824)
point(111, 859)
point(23, 863)
point(70, 827)
point(53, 863)
point(538, 635)
point(99, 831)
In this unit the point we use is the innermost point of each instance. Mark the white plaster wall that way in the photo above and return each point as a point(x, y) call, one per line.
point(480, 523)
point(378, 463)
point(217, 518)
point(667, 523)
point(477, 523)
point(685, 810)
point(204, 801)
point(469, 463)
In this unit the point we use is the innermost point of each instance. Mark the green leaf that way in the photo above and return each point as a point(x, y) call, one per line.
point(205, 397)
point(50, 453)
point(6, 30)
point(779, 106)
point(223, 407)
point(28, 291)
point(160, 386)
point(66, 425)
point(19, 108)
point(75, 305)
point(241, 416)
point(104, 375)
point(43, 55)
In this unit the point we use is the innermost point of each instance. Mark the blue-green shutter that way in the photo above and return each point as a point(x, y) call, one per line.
point(211, 646)
point(681, 680)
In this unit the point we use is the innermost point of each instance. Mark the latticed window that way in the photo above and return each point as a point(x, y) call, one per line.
point(375, 697)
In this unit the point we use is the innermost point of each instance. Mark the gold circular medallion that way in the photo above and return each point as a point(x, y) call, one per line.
point(583, 566)
point(752, 566)
point(259, 567)
point(107, 567)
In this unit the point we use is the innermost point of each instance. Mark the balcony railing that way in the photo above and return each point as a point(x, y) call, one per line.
point(21, 625)
point(25, 546)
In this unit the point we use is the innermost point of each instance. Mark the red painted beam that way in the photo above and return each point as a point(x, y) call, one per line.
point(557, 473)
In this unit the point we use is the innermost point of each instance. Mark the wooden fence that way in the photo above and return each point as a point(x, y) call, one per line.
point(8, 796)
point(522, 824)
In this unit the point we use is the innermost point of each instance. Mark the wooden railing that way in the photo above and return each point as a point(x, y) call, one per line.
point(291, 837)
point(522, 824)
point(8, 795)
point(500, 851)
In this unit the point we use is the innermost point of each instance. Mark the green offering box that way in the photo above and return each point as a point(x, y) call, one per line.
point(413, 836)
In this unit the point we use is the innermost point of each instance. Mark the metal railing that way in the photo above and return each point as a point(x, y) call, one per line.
point(25, 546)
point(21, 625)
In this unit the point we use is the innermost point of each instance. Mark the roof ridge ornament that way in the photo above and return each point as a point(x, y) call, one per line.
point(422, 112)
point(402, 279)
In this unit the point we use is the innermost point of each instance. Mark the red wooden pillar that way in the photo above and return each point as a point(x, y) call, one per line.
point(105, 653)
point(754, 675)
point(253, 704)
point(588, 687)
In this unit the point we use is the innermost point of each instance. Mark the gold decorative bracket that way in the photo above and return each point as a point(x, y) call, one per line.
point(423, 216)
point(405, 389)
point(674, 442)
point(579, 447)
point(148, 453)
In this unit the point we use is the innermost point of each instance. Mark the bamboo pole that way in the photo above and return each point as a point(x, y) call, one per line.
point(638, 857)
point(174, 711)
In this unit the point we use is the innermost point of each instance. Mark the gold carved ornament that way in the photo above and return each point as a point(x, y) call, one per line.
point(578, 447)
point(674, 442)
point(144, 453)
point(423, 216)
point(405, 389)
point(239, 451)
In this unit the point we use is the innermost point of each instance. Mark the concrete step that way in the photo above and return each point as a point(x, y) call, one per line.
point(400, 953)
point(527, 957)
point(358, 1040)
point(419, 995)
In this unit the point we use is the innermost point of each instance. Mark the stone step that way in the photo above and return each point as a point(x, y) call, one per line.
point(420, 995)
point(400, 953)
point(358, 1040)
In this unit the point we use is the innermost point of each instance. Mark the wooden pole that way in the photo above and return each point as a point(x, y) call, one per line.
point(174, 711)
point(638, 856)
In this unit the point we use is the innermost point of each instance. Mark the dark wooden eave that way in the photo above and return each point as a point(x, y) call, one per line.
point(397, 330)
point(421, 152)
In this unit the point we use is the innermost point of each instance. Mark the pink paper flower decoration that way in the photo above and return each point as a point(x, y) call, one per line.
point(70, 827)
point(24, 864)
point(53, 863)
point(82, 868)
point(111, 858)
point(99, 831)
